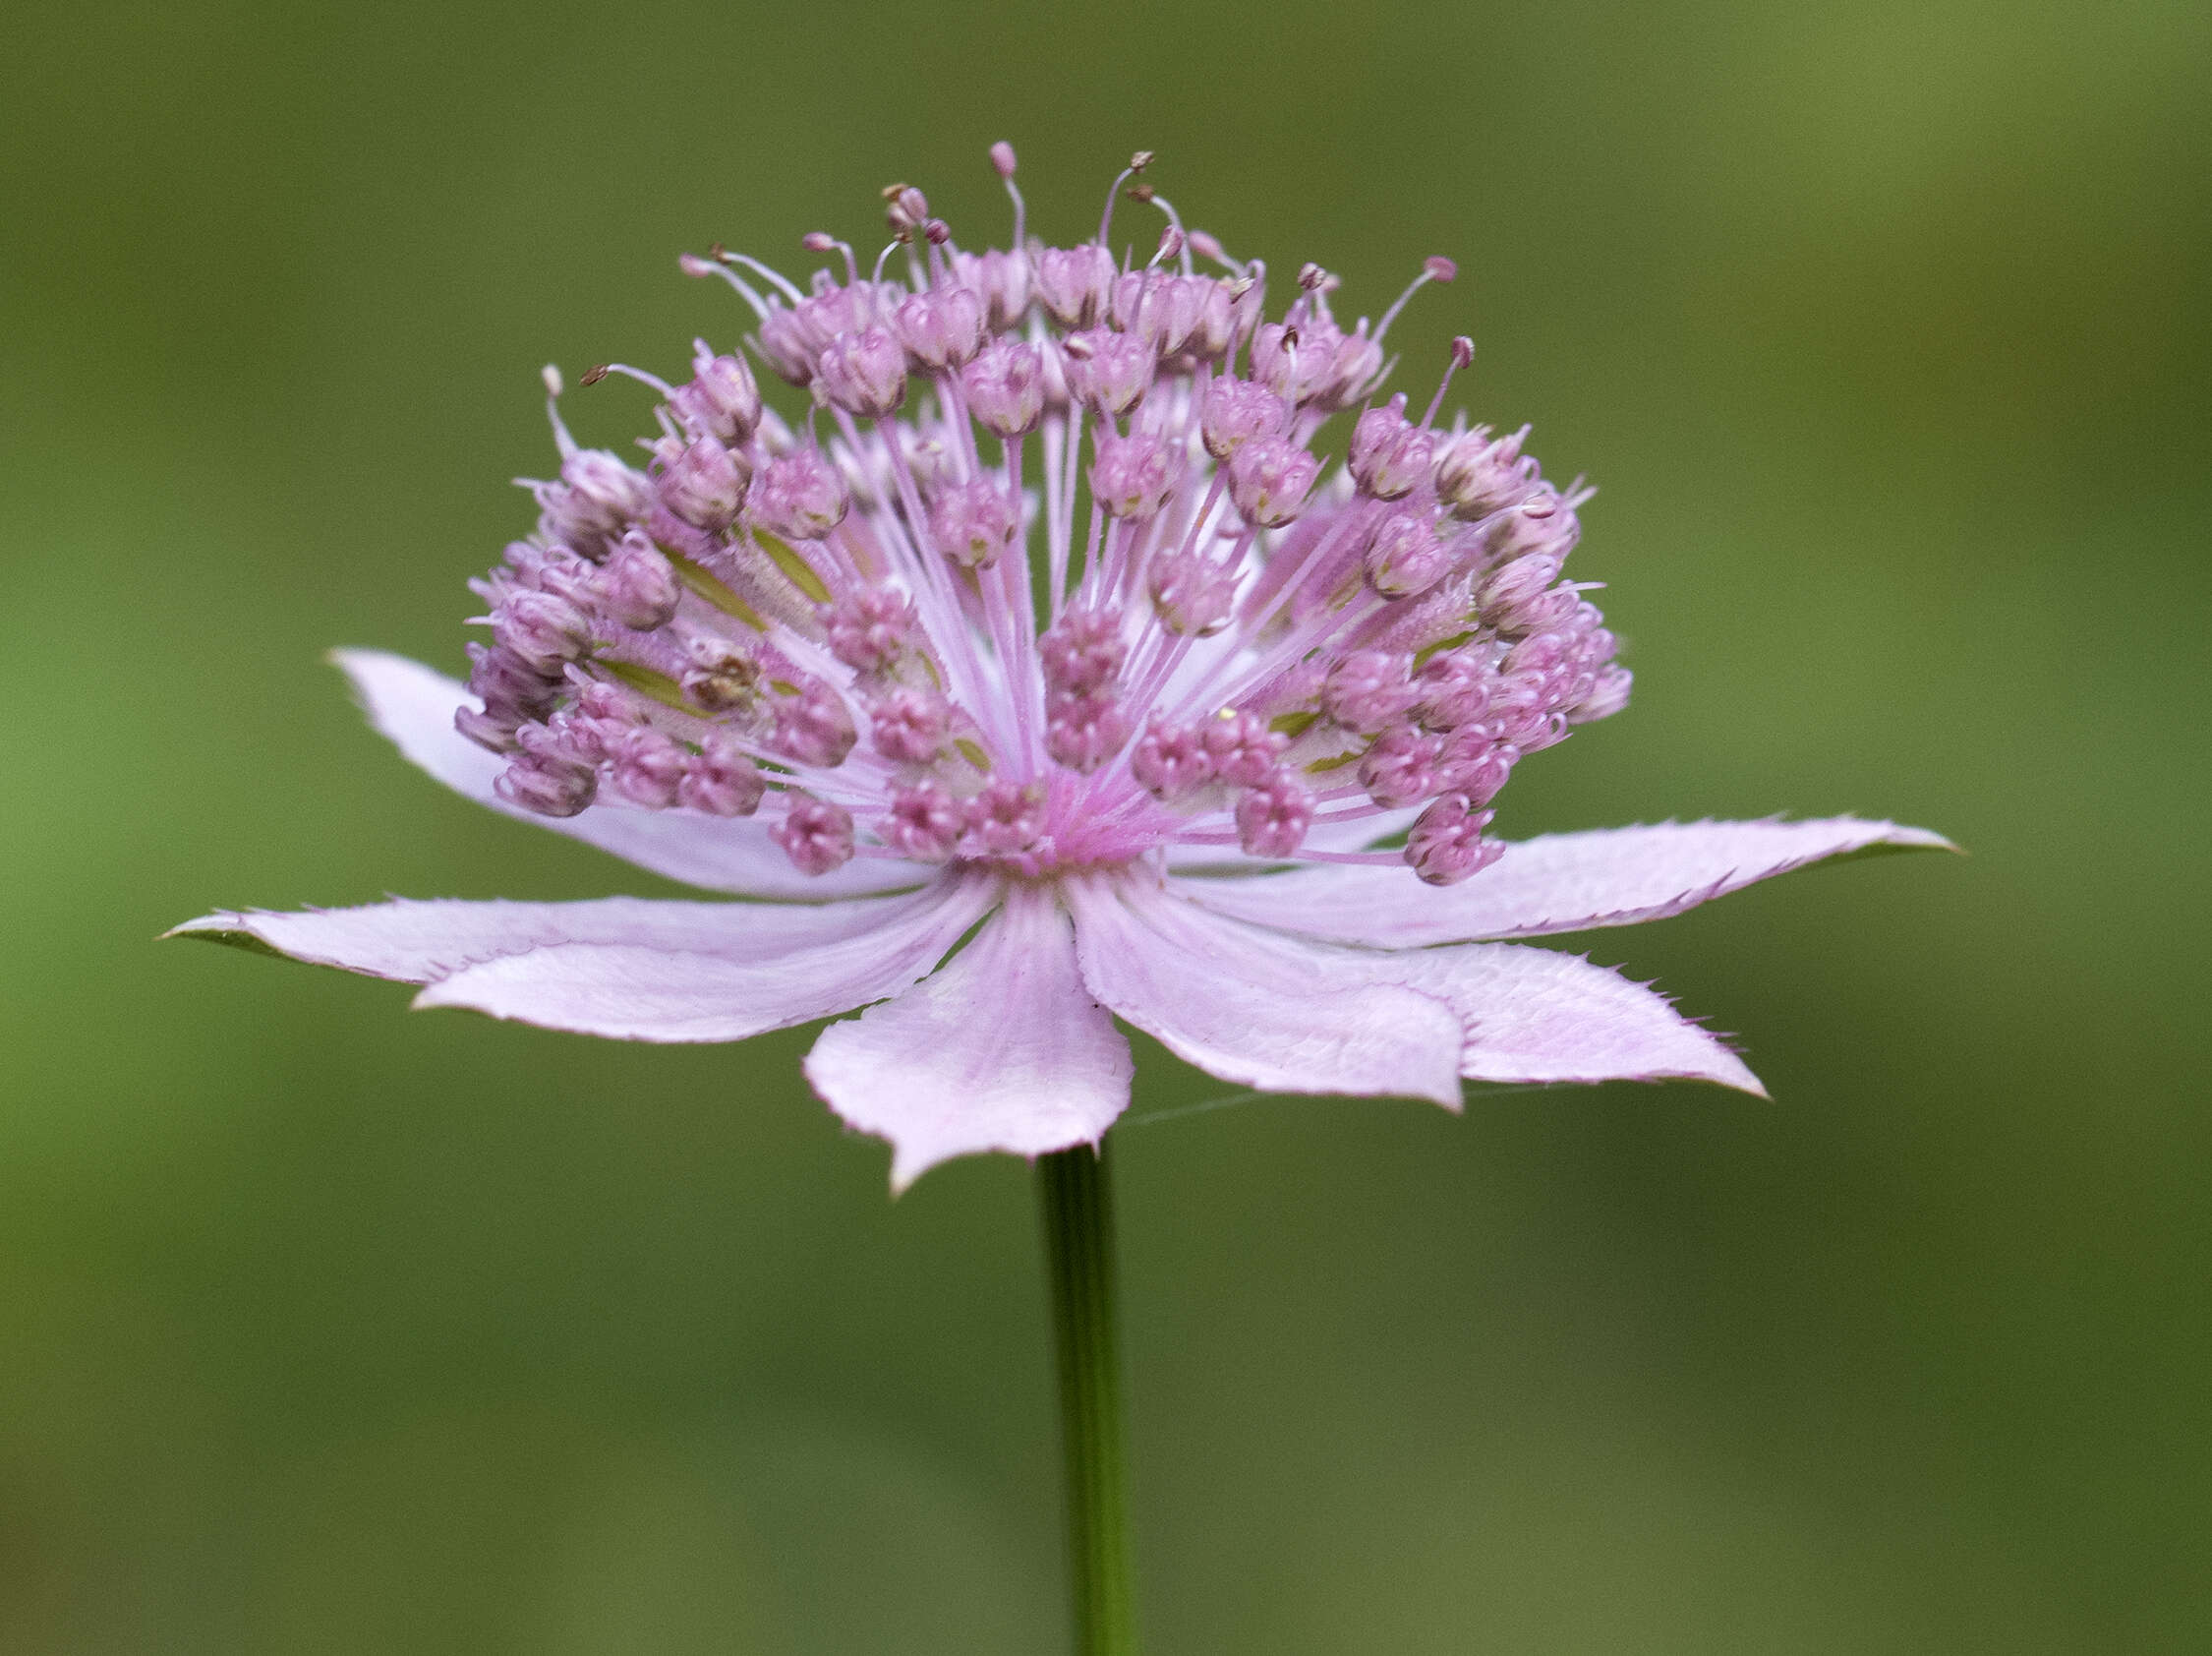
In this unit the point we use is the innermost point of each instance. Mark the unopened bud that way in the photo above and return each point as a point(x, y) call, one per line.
point(1004, 387)
point(1269, 478)
point(1403, 557)
point(1234, 412)
point(863, 373)
point(942, 328)
point(721, 399)
point(816, 835)
point(924, 823)
point(1273, 816)
point(974, 523)
point(1389, 454)
point(799, 496)
point(720, 780)
point(636, 587)
point(1109, 372)
point(1446, 843)
point(1170, 762)
point(1007, 816)
point(1132, 476)
point(701, 482)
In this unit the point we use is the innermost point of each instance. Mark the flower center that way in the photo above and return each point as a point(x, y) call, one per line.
point(1049, 576)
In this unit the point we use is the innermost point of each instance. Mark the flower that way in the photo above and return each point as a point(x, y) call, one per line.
point(1003, 744)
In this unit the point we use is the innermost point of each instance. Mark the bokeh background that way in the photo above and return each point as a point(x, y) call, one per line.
point(1884, 330)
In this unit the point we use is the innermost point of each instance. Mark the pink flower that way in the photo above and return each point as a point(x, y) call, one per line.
point(1137, 768)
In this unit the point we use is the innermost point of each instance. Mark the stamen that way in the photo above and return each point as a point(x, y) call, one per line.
point(821, 241)
point(593, 375)
point(691, 264)
point(551, 375)
point(1175, 222)
point(1002, 162)
point(1463, 353)
point(1206, 246)
point(1137, 164)
point(784, 283)
point(1434, 270)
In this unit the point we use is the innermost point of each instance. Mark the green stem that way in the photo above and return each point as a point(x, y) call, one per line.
point(1078, 1228)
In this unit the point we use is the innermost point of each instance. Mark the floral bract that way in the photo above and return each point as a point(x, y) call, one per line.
point(1044, 675)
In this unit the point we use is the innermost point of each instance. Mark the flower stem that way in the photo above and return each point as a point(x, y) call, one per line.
point(1078, 1204)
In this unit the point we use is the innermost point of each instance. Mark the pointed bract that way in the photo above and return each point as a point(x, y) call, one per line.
point(1256, 1007)
point(1559, 882)
point(1001, 1049)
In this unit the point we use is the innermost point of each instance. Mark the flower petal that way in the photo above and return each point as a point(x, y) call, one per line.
point(1538, 1015)
point(1003, 1048)
point(423, 942)
point(413, 707)
point(1560, 882)
point(1257, 1007)
point(633, 969)
point(647, 992)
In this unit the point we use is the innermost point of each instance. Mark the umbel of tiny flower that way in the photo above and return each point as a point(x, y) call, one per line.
point(1049, 629)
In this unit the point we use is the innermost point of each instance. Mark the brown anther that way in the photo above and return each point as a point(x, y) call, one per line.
point(906, 209)
point(1141, 191)
point(717, 253)
point(1141, 160)
point(593, 376)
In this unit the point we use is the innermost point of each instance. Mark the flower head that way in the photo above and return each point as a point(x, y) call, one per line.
point(1049, 615)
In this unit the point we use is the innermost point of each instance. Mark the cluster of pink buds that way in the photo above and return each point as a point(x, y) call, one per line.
point(1049, 574)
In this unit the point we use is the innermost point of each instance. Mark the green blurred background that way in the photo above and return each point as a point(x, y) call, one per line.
point(1885, 330)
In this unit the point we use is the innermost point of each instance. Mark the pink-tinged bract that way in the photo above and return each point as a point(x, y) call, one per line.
point(1045, 674)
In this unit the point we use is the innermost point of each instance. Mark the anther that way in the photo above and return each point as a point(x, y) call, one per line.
point(1137, 164)
point(906, 209)
point(593, 376)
